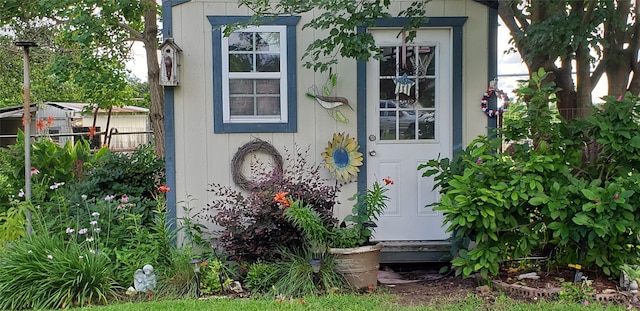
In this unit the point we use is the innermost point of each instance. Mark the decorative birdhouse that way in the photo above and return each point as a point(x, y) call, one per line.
point(169, 62)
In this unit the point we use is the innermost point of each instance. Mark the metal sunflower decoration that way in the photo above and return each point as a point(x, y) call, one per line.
point(342, 157)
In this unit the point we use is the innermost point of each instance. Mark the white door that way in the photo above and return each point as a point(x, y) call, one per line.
point(409, 105)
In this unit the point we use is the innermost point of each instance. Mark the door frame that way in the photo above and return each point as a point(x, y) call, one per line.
point(453, 23)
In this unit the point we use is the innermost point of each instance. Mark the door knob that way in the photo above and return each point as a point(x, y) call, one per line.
point(372, 152)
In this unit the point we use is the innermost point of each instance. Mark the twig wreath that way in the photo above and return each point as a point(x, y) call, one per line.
point(500, 95)
point(237, 162)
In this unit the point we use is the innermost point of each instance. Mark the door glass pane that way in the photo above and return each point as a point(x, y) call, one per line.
point(407, 85)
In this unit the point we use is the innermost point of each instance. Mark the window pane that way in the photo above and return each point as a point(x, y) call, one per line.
point(270, 86)
point(240, 63)
point(388, 62)
point(241, 41)
point(268, 106)
point(268, 62)
point(427, 92)
point(240, 86)
point(241, 106)
point(268, 41)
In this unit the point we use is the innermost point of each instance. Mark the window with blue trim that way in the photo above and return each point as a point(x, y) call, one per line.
point(254, 75)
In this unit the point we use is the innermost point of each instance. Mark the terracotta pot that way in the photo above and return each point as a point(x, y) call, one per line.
point(359, 265)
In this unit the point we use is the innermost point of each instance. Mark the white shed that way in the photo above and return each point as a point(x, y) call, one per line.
point(219, 107)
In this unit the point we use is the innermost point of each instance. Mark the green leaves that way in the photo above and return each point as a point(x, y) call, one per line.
point(554, 187)
point(342, 19)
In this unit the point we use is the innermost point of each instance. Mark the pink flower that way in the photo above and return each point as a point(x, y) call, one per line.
point(21, 193)
point(620, 98)
point(34, 171)
point(83, 231)
point(69, 230)
point(479, 161)
point(615, 196)
point(124, 199)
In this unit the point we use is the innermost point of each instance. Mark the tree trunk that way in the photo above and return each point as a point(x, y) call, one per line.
point(156, 110)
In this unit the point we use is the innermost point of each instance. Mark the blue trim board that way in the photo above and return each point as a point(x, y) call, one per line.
point(492, 64)
point(169, 126)
point(292, 92)
point(361, 111)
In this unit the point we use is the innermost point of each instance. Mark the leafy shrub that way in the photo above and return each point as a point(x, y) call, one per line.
point(44, 271)
point(254, 225)
point(567, 188)
point(260, 277)
point(136, 175)
point(213, 277)
point(55, 163)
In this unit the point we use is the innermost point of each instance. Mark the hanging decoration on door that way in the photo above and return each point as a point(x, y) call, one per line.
point(342, 158)
point(404, 84)
point(500, 95)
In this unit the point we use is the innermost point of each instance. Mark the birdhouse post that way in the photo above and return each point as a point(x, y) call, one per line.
point(169, 62)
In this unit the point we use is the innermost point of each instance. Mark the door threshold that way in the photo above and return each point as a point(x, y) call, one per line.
point(414, 251)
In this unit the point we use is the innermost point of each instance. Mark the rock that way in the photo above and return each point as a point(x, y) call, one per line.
point(530, 275)
point(235, 287)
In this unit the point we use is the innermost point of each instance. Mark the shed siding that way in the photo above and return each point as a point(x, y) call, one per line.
point(203, 158)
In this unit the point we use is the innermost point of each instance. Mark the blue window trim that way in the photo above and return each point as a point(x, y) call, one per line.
point(292, 91)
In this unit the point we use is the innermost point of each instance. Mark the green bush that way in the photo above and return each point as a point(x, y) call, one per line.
point(564, 188)
point(44, 271)
point(260, 277)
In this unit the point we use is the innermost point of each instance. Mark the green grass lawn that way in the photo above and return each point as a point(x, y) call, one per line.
point(346, 302)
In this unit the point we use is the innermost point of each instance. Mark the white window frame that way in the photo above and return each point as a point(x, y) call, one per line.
point(282, 75)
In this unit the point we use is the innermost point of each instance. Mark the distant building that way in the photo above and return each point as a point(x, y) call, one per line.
point(125, 128)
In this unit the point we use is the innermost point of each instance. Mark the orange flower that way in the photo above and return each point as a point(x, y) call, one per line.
point(92, 132)
point(387, 181)
point(40, 125)
point(164, 189)
point(49, 120)
point(303, 301)
point(204, 263)
point(281, 197)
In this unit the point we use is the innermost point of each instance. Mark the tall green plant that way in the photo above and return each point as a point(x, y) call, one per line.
point(44, 272)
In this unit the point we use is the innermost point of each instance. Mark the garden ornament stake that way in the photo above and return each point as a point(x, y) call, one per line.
point(196, 270)
point(27, 127)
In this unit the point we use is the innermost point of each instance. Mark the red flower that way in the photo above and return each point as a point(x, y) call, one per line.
point(281, 197)
point(40, 125)
point(49, 120)
point(387, 181)
point(164, 189)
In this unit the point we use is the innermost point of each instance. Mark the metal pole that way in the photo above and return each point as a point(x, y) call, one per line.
point(27, 128)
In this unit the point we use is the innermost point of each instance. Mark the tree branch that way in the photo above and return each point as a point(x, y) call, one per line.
point(134, 33)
